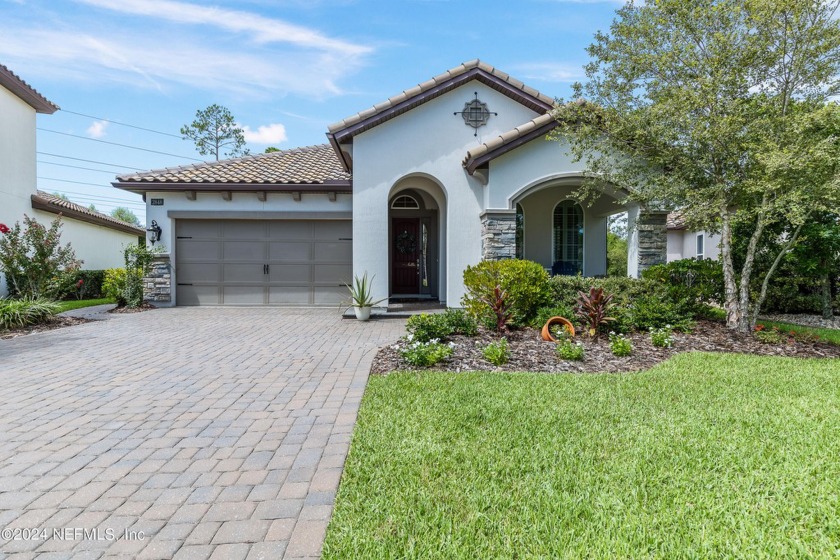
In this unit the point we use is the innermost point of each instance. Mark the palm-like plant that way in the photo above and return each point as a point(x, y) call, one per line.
point(593, 307)
point(501, 307)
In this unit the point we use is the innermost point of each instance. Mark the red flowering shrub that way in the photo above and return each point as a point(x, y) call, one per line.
point(4, 228)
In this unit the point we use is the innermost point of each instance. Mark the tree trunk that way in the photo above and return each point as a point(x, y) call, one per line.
point(733, 311)
point(827, 311)
point(745, 320)
point(764, 285)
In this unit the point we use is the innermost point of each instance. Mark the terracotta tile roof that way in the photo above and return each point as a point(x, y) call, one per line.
point(51, 203)
point(675, 221)
point(27, 93)
point(310, 165)
point(417, 93)
point(496, 146)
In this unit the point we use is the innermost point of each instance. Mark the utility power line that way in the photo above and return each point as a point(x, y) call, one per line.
point(74, 182)
point(90, 161)
point(77, 167)
point(116, 144)
point(102, 198)
point(124, 124)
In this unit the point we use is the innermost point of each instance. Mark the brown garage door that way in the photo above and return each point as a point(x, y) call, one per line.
point(263, 262)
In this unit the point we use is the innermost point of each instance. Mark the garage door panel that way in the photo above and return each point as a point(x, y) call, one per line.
point(286, 295)
point(338, 274)
point(290, 230)
point(192, 250)
point(244, 295)
point(198, 295)
point(333, 230)
point(337, 251)
point(244, 229)
point(198, 272)
point(244, 251)
point(289, 251)
point(329, 295)
point(290, 273)
point(199, 228)
point(248, 272)
point(307, 262)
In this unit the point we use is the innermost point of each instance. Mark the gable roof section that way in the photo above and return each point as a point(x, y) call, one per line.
point(311, 168)
point(344, 130)
point(56, 205)
point(506, 142)
point(24, 91)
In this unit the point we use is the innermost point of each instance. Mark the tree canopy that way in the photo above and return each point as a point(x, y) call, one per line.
point(126, 215)
point(215, 132)
point(720, 108)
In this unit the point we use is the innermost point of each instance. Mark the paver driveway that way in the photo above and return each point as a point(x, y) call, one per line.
point(218, 433)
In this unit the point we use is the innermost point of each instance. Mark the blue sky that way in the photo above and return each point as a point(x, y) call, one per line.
point(285, 68)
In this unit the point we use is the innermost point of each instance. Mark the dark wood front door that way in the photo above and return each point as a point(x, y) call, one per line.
point(405, 250)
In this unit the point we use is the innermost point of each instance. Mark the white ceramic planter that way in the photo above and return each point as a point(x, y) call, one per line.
point(362, 313)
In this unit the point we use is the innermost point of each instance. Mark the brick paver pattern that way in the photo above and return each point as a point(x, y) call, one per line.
point(216, 432)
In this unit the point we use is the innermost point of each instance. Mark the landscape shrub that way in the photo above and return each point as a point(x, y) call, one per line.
point(460, 322)
point(663, 337)
point(651, 312)
point(789, 292)
point(83, 284)
point(113, 285)
point(625, 290)
point(689, 283)
point(593, 309)
point(549, 311)
point(424, 354)
point(525, 284)
point(497, 353)
point(137, 260)
point(619, 345)
point(769, 336)
point(23, 312)
point(568, 350)
point(33, 260)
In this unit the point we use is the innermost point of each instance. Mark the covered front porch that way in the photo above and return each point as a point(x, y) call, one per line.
point(547, 224)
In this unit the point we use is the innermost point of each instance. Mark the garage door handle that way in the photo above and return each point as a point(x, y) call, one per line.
point(265, 269)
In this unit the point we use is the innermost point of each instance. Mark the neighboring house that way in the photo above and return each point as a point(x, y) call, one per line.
point(684, 243)
point(411, 191)
point(97, 239)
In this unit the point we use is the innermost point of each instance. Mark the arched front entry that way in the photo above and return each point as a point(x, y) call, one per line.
point(416, 253)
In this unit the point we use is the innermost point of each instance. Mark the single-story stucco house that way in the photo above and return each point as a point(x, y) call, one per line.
point(686, 243)
point(96, 238)
point(410, 192)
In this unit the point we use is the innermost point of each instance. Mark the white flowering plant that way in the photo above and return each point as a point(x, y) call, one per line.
point(424, 354)
point(619, 345)
point(568, 350)
point(662, 337)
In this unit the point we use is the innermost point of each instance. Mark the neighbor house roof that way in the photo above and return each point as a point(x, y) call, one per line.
point(57, 205)
point(308, 168)
point(511, 139)
point(675, 221)
point(27, 93)
point(343, 131)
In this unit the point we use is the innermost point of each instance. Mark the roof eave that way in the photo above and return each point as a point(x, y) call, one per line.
point(141, 187)
point(342, 157)
point(21, 89)
point(533, 102)
point(473, 163)
point(39, 203)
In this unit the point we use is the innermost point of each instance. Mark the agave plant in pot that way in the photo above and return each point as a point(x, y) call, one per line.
point(361, 299)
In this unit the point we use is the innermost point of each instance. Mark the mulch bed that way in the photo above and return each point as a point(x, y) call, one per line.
point(528, 352)
point(56, 322)
point(143, 307)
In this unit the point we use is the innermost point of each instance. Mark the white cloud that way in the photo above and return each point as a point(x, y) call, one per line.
point(258, 28)
point(97, 129)
point(228, 51)
point(266, 134)
point(550, 71)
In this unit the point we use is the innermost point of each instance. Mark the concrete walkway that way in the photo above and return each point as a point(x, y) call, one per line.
point(94, 312)
point(208, 432)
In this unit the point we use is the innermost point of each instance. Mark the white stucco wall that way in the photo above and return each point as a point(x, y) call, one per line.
point(98, 247)
point(240, 202)
point(428, 141)
point(17, 161)
point(682, 244)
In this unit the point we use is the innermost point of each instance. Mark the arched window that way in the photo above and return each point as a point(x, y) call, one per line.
point(568, 238)
point(520, 232)
point(405, 202)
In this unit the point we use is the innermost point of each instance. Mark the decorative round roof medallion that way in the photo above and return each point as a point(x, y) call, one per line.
point(475, 113)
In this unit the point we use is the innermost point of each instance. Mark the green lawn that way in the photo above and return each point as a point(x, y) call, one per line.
point(79, 303)
point(704, 456)
point(832, 336)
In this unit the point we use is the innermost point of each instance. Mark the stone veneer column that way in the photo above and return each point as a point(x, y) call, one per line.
point(498, 235)
point(157, 284)
point(653, 239)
